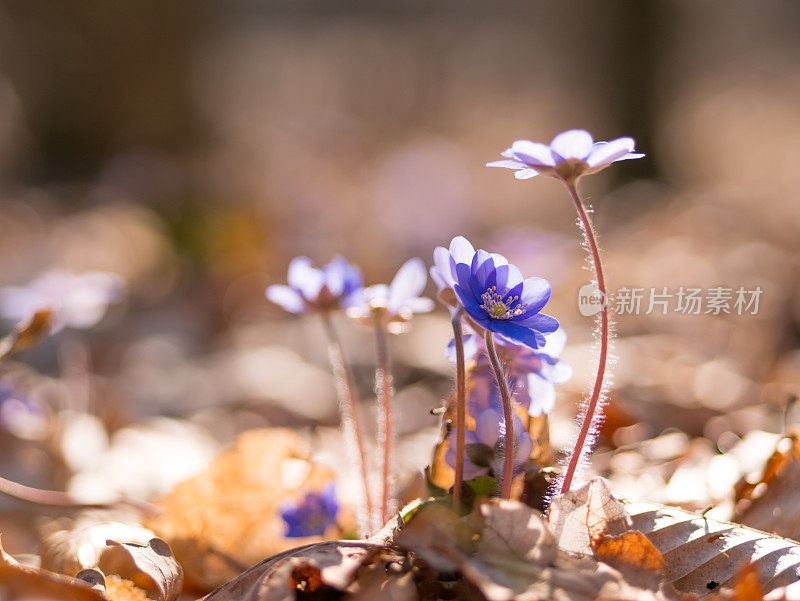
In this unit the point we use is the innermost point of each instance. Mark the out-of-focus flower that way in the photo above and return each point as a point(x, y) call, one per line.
point(496, 296)
point(532, 373)
point(310, 289)
point(396, 303)
point(484, 444)
point(571, 154)
point(313, 515)
point(21, 416)
point(76, 300)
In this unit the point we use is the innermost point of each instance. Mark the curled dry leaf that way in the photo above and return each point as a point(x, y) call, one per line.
point(634, 556)
point(310, 568)
point(80, 543)
point(580, 517)
point(771, 503)
point(507, 552)
point(703, 555)
point(19, 582)
point(155, 559)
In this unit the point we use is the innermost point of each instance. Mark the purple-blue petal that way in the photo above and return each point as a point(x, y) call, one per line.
point(517, 332)
point(286, 297)
point(539, 322)
point(535, 294)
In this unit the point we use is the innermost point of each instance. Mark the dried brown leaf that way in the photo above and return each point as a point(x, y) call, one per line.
point(747, 587)
point(76, 544)
point(331, 564)
point(18, 582)
point(155, 559)
point(703, 555)
point(772, 503)
point(634, 556)
point(512, 556)
point(580, 517)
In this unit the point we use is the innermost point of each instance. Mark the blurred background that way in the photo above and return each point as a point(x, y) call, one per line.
point(195, 147)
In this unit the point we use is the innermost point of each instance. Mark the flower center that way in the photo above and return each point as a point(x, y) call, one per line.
point(500, 307)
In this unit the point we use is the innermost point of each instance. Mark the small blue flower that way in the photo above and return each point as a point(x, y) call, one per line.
point(532, 373)
point(311, 289)
point(496, 296)
point(483, 445)
point(313, 515)
point(570, 155)
point(396, 303)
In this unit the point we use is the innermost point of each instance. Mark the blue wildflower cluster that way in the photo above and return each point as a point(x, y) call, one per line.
point(505, 348)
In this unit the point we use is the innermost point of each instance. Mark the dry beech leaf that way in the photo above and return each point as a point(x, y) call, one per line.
point(580, 517)
point(772, 503)
point(513, 527)
point(506, 551)
point(634, 556)
point(19, 582)
point(387, 578)
point(329, 565)
point(228, 516)
point(155, 559)
point(79, 543)
point(746, 586)
point(702, 555)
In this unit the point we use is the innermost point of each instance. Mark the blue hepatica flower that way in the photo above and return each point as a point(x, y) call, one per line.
point(483, 445)
point(571, 154)
point(532, 373)
point(334, 286)
point(496, 296)
point(313, 515)
point(397, 302)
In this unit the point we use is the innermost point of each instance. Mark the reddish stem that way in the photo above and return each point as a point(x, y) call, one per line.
point(348, 408)
point(508, 416)
point(56, 498)
point(461, 409)
point(384, 391)
point(591, 407)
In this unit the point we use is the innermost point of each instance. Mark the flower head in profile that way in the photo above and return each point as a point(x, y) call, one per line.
point(496, 296)
point(396, 303)
point(443, 273)
point(484, 444)
point(532, 373)
point(75, 300)
point(334, 286)
point(570, 155)
point(313, 515)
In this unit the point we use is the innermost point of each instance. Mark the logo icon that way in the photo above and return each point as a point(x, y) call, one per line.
point(591, 300)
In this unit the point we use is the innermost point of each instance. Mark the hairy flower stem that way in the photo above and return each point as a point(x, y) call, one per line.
point(508, 417)
point(592, 406)
point(461, 405)
point(351, 424)
point(385, 394)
